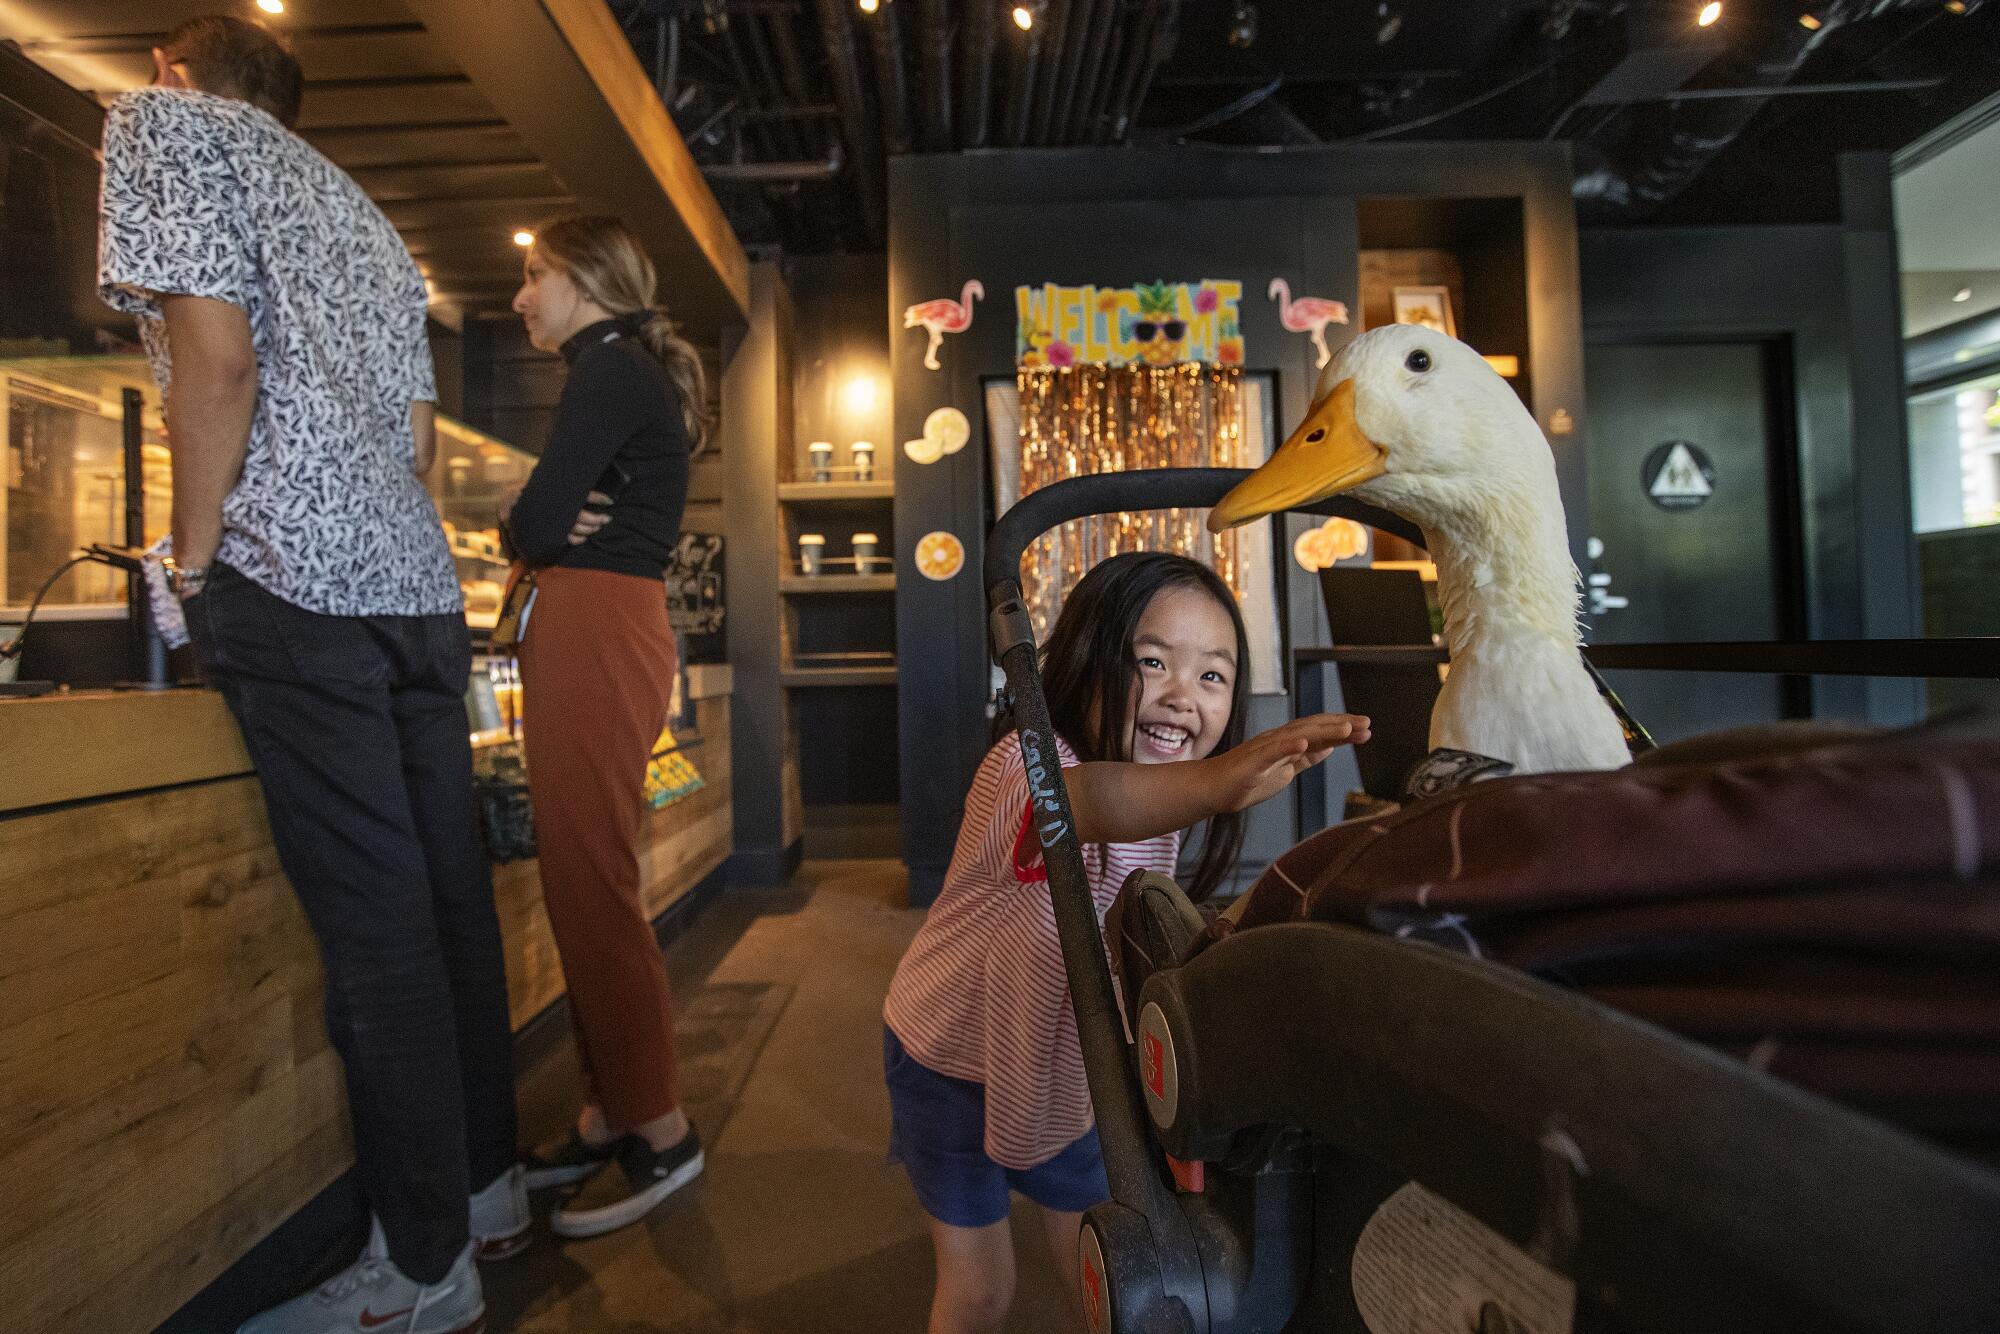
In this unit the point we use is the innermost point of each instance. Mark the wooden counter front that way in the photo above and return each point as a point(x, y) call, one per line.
point(167, 1092)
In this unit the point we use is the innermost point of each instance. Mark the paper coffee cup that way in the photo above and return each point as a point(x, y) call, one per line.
point(864, 461)
point(822, 460)
point(812, 546)
point(864, 551)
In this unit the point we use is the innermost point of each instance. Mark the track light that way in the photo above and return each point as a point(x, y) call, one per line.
point(1955, 6)
point(1024, 17)
point(271, 6)
point(869, 6)
point(1387, 23)
point(1810, 22)
point(1710, 12)
point(524, 238)
point(1243, 25)
point(1962, 294)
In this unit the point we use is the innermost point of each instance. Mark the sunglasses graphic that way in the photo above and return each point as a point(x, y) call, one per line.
point(1147, 330)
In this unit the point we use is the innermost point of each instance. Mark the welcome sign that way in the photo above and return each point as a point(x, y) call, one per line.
point(1157, 324)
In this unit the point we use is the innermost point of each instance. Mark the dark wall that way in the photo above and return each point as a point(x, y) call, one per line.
point(1827, 297)
point(841, 335)
point(1140, 215)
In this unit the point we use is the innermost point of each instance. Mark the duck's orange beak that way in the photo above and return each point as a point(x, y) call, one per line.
point(1328, 454)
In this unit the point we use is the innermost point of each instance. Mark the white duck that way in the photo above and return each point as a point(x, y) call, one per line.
point(1418, 423)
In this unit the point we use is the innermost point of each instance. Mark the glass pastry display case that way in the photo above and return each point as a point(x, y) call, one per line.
point(474, 478)
point(63, 418)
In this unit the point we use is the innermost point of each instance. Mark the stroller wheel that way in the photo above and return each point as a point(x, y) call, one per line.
point(1120, 1273)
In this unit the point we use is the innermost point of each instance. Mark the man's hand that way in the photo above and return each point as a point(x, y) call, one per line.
point(595, 514)
point(209, 408)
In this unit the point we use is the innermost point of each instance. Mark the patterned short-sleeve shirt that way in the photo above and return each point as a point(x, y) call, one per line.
point(981, 993)
point(208, 196)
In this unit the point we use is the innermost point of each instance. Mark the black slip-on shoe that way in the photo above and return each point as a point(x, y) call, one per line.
point(571, 1161)
point(648, 1178)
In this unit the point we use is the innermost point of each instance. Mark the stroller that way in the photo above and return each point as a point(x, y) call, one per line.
point(1323, 1128)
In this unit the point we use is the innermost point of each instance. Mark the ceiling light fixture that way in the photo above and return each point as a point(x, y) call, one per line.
point(1810, 22)
point(1710, 12)
point(1387, 24)
point(1962, 294)
point(524, 238)
point(1955, 6)
point(271, 6)
point(1243, 25)
point(1024, 17)
point(869, 6)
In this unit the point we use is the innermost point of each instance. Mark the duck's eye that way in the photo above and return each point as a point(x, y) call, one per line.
point(1418, 361)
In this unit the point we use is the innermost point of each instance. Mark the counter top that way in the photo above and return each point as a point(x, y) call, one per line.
point(76, 745)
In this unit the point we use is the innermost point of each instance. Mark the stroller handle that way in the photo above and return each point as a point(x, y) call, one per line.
point(1145, 489)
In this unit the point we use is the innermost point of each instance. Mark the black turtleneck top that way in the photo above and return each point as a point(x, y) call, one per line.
point(618, 430)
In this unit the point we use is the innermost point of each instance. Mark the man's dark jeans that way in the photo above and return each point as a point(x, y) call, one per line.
point(357, 727)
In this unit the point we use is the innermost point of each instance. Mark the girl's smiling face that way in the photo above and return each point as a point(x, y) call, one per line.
point(1185, 655)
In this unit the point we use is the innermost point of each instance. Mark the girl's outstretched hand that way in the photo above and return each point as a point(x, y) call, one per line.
point(1265, 765)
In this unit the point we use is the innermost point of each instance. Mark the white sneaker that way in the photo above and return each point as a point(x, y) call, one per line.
point(500, 1217)
point(372, 1296)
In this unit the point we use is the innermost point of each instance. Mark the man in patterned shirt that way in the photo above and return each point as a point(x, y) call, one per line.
point(286, 327)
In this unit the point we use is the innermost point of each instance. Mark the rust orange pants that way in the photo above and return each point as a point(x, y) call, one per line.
point(597, 679)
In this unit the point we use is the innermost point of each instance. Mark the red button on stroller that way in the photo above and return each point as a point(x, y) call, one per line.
point(1324, 1128)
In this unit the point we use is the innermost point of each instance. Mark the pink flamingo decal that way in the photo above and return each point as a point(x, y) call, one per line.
point(943, 316)
point(1307, 315)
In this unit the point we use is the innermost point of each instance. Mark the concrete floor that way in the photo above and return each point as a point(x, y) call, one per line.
point(799, 1223)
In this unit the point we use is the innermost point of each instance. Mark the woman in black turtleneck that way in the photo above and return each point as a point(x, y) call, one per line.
point(596, 522)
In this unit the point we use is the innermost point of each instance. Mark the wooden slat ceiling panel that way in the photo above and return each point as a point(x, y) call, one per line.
point(384, 101)
point(343, 103)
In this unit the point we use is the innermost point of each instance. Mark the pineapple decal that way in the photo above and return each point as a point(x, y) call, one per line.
point(1159, 328)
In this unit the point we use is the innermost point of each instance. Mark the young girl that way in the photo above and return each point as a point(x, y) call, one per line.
point(1145, 676)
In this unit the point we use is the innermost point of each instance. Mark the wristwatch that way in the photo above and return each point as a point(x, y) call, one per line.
point(184, 580)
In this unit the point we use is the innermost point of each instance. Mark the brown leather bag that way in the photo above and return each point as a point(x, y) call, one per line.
point(1831, 912)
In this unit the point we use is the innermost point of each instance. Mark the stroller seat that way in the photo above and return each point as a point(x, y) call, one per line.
point(1427, 1072)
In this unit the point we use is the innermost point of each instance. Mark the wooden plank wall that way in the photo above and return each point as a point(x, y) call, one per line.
point(167, 1092)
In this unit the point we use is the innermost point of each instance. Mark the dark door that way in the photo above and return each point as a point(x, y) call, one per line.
point(1689, 472)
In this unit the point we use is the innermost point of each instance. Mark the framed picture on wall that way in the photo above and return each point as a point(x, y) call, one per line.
point(1428, 306)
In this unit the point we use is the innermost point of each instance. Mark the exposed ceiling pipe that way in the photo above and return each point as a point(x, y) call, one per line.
point(1076, 50)
point(775, 173)
point(1128, 39)
point(790, 135)
point(1095, 73)
point(936, 36)
point(1021, 85)
point(798, 89)
point(1657, 168)
point(852, 97)
point(886, 34)
point(979, 27)
point(1153, 42)
point(1166, 34)
point(1056, 57)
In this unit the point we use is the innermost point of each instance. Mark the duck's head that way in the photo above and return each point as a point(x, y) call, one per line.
point(1409, 419)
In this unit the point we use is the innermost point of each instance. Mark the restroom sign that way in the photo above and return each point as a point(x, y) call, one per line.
point(1678, 475)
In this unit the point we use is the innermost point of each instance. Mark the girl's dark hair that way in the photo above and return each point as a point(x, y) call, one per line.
point(606, 262)
point(1089, 674)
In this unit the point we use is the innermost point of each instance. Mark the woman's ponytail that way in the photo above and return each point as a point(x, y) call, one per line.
point(682, 362)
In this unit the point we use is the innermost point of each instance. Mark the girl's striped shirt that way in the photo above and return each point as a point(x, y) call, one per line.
point(981, 993)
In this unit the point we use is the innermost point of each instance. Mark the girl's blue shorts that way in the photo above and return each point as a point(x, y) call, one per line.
point(937, 1130)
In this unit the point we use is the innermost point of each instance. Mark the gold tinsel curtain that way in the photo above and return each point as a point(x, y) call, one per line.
point(1092, 419)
